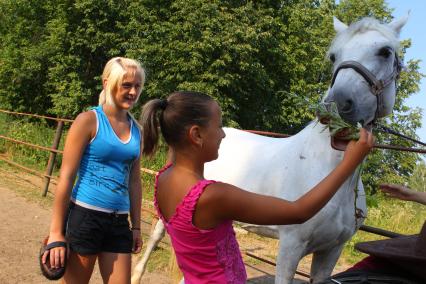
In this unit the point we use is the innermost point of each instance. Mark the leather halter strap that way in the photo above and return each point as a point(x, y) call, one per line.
point(376, 85)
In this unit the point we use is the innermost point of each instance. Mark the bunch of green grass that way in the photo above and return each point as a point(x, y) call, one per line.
point(328, 114)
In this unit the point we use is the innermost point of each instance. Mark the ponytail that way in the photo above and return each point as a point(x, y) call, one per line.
point(173, 116)
point(150, 125)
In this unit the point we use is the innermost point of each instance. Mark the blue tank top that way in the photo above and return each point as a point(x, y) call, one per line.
point(103, 175)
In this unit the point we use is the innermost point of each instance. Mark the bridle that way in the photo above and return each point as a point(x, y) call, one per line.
point(376, 85)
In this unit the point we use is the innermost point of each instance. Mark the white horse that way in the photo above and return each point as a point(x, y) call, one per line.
point(363, 88)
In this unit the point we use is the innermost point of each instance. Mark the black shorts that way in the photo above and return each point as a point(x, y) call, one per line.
point(91, 232)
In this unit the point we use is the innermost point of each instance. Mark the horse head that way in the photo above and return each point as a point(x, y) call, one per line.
point(365, 69)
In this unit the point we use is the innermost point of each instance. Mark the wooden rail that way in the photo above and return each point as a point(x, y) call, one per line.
point(30, 144)
point(36, 115)
point(53, 150)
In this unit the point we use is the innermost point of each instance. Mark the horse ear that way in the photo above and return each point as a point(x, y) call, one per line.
point(397, 25)
point(338, 25)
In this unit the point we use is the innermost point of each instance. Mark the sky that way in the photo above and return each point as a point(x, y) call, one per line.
point(414, 29)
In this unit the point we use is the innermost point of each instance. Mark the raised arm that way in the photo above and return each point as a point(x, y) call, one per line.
point(228, 202)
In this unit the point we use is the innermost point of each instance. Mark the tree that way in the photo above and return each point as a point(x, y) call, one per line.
point(228, 50)
point(53, 52)
point(84, 35)
point(23, 64)
point(418, 179)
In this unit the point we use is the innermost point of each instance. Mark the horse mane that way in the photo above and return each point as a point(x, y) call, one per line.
point(362, 26)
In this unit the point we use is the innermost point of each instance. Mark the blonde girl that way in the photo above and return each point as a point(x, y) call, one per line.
point(91, 212)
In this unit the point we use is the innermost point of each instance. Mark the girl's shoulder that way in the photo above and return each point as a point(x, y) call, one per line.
point(218, 186)
point(222, 194)
point(213, 191)
point(86, 117)
point(88, 114)
point(85, 122)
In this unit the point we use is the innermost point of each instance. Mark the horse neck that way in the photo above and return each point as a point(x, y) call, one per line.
point(319, 138)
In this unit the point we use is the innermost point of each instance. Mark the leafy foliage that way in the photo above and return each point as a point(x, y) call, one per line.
point(329, 115)
point(418, 180)
point(22, 60)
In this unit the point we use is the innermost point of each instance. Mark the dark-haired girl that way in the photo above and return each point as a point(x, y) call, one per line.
point(198, 213)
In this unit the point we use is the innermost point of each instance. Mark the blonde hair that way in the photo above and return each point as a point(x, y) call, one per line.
point(114, 72)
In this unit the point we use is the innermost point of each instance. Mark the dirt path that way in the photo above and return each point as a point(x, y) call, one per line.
point(22, 226)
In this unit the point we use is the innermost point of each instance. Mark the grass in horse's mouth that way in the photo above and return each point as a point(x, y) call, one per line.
point(328, 114)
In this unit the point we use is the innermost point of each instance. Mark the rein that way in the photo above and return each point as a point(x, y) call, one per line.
point(387, 130)
point(377, 146)
point(384, 129)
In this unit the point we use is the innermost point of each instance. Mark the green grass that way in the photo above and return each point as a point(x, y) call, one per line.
point(154, 163)
point(159, 260)
point(393, 215)
point(34, 131)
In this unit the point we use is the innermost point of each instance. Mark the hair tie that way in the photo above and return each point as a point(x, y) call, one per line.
point(163, 104)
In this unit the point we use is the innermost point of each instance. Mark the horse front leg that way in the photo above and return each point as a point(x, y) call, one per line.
point(154, 239)
point(323, 263)
point(290, 252)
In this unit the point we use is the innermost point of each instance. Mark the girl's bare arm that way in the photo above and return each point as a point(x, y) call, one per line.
point(81, 132)
point(227, 202)
point(135, 191)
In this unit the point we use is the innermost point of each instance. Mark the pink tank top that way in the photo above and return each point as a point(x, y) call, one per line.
point(204, 256)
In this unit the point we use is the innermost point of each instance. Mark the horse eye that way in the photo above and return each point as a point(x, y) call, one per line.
point(332, 57)
point(385, 52)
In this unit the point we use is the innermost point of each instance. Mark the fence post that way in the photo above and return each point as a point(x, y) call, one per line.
point(52, 156)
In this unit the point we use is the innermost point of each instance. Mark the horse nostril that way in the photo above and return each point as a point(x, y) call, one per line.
point(347, 106)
